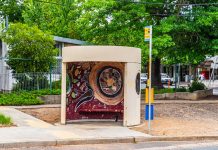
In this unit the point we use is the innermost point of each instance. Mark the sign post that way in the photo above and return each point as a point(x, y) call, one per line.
point(148, 37)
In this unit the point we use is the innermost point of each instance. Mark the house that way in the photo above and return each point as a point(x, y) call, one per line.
point(6, 76)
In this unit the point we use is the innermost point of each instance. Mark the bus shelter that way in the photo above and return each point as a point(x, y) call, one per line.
point(101, 83)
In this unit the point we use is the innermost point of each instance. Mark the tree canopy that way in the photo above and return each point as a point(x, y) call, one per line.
point(31, 50)
point(54, 16)
point(13, 9)
point(182, 32)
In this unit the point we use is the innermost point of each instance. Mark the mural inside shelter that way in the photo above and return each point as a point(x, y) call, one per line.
point(95, 90)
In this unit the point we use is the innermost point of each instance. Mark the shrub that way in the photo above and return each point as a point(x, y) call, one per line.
point(166, 90)
point(26, 97)
point(46, 92)
point(181, 89)
point(17, 99)
point(5, 120)
point(197, 86)
point(56, 84)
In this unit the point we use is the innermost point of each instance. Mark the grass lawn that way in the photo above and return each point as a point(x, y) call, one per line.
point(5, 121)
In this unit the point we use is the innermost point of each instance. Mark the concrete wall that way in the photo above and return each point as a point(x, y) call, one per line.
point(131, 98)
point(101, 54)
point(51, 99)
point(183, 95)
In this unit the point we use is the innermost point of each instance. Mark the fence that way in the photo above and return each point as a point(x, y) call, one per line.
point(10, 82)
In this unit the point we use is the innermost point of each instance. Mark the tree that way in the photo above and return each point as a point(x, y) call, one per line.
point(12, 9)
point(31, 50)
point(182, 32)
point(54, 16)
point(194, 32)
point(121, 23)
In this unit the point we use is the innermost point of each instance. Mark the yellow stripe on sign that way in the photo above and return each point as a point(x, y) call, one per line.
point(147, 94)
point(147, 36)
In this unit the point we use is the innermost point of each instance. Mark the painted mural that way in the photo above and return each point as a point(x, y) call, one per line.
point(95, 91)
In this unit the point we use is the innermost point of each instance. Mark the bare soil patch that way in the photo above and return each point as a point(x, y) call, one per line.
point(176, 119)
point(50, 115)
point(182, 120)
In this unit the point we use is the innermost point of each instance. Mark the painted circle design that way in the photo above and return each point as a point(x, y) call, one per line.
point(101, 92)
point(110, 81)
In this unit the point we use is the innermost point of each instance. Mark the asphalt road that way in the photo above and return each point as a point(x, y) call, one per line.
point(200, 145)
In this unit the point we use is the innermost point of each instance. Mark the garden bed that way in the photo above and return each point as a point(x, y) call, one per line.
point(47, 113)
point(196, 95)
point(21, 98)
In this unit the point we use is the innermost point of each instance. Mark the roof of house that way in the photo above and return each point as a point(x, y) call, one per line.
point(68, 40)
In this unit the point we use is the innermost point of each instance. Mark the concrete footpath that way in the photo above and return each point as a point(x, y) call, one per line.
point(30, 131)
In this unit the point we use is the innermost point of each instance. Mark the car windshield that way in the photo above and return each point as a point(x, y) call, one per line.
point(144, 75)
point(164, 76)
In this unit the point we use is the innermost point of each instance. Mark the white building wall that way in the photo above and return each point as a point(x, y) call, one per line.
point(5, 73)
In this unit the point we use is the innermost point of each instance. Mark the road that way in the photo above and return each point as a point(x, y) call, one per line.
point(200, 145)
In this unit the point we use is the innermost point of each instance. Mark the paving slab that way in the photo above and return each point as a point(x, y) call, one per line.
point(21, 119)
point(31, 131)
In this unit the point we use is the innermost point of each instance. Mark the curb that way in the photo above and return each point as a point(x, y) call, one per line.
point(60, 142)
point(96, 141)
point(27, 144)
point(183, 138)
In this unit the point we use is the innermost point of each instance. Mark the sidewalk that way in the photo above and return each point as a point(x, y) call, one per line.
point(31, 131)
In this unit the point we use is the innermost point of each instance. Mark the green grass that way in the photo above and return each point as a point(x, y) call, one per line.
point(5, 120)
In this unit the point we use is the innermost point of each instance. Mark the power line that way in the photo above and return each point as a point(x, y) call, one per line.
point(151, 3)
point(173, 4)
point(183, 15)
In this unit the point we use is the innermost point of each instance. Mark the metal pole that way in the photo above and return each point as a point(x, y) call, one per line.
point(175, 77)
point(6, 22)
point(50, 69)
point(150, 62)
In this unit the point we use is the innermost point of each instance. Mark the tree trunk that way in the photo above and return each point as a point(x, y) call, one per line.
point(155, 74)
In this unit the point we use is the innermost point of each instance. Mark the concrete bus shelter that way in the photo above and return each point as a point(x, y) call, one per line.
point(104, 84)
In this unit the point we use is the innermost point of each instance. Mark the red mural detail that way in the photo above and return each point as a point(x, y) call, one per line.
point(81, 100)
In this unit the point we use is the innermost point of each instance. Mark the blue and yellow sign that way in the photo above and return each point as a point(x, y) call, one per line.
point(147, 34)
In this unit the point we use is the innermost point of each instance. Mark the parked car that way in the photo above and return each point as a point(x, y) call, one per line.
point(144, 77)
point(165, 79)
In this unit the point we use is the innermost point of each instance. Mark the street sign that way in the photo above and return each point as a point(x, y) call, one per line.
point(147, 34)
point(149, 112)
